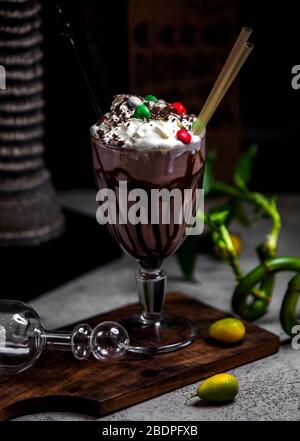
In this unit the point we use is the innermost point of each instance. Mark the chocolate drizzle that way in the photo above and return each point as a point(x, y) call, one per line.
point(149, 242)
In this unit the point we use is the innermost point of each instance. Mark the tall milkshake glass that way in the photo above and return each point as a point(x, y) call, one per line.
point(178, 167)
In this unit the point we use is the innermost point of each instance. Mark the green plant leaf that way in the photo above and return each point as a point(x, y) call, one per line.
point(219, 215)
point(209, 171)
point(187, 257)
point(273, 202)
point(243, 169)
point(239, 182)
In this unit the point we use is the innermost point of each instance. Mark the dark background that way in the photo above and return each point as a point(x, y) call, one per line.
point(270, 114)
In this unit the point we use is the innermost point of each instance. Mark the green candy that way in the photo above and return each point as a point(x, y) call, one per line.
point(142, 112)
point(150, 98)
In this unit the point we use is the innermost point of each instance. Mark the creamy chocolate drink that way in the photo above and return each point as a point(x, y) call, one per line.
point(149, 144)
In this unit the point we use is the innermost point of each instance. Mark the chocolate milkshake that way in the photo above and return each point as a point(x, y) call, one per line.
point(149, 144)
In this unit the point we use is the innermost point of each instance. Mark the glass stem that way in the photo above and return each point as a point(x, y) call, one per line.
point(58, 340)
point(151, 285)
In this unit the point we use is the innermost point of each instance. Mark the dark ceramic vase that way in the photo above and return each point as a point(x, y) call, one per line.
point(29, 210)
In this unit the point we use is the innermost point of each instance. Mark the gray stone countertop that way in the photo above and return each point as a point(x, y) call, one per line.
point(269, 388)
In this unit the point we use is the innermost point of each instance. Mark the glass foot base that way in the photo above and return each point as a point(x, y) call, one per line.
point(166, 335)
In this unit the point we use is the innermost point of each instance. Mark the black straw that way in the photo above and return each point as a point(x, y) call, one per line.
point(67, 32)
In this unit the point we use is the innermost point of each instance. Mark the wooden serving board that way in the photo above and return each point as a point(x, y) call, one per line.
point(58, 382)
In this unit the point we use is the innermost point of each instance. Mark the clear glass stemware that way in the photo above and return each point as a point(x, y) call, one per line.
point(180, 169)
point(23, 338)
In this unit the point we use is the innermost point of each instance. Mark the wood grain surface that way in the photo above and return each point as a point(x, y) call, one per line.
point(58, 382)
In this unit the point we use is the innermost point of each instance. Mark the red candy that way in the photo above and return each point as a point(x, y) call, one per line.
point(184, 136)
point(179, 108)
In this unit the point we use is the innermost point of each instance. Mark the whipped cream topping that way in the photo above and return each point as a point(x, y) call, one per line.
point(120, 128)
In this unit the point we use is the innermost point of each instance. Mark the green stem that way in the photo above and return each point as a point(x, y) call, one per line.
point(265, 251)
point(190, 397)
point(288, 313)
point(244, 291)
point(260, 201)
point(223, 233)
point(221, 187)
point(231, 254)
point(249, 301)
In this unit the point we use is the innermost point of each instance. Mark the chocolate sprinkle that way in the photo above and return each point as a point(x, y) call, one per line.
point(121, 113)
